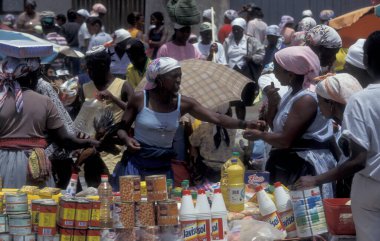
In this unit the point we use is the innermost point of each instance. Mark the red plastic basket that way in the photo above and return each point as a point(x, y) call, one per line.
point(339, 216)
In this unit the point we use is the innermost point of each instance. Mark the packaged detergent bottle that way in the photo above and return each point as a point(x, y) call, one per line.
point(285, 209)
point(219, 212)
point(188, 218)
point(203, 214)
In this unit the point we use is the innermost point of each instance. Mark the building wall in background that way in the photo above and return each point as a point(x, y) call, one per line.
point(274, 9)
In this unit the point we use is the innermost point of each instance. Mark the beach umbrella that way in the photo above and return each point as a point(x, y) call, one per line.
point(356, 24)
point(57, 49)
point(211, 84)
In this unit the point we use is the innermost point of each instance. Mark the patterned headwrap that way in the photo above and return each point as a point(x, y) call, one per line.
point(285, 20)
point(12, 69)
point(306, 24)
point(157, 67)
point(231, 14)
point(323, 35)
point(326, 15)
point(339, 87)
point(300, 60)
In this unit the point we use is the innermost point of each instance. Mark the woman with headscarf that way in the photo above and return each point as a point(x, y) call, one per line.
point(325, 16)
point(287, 28)
point(298, 38)
point(156, 112)
point(325, 42)
point(28, 119)
point(362, 136)
point(242, 50)
point(300, 134)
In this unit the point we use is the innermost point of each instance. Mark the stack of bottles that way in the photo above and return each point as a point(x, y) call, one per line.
point(202, 222)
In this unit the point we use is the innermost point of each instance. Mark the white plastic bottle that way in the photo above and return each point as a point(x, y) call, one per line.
point(71, 189)
point(219, 226)
point(268, 210)
point(285, 209)
point(105, 198)
point(203, 212)
point(188, 217)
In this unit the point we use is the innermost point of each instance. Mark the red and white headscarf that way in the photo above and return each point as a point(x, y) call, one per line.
point(11, 70)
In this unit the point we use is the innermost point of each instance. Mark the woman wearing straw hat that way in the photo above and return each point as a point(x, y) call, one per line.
point(156, 112)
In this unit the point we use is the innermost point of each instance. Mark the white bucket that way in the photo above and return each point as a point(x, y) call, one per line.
point(308, 212)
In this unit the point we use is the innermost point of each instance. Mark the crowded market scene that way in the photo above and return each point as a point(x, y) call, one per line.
point(189, 120)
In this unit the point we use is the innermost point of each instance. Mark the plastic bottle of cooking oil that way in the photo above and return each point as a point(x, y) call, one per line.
point(236, 187)
point(105, 198)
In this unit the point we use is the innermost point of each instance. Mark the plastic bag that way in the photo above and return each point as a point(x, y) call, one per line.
point(253, 230)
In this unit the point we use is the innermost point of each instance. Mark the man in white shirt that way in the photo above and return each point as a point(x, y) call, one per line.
point(209, 49)
point(94, 26)
point(119, 58)
point(361, 142)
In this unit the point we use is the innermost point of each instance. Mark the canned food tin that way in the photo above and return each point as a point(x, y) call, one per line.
point(1, 203)
point(145, 214)
point(95, 214)
point(5, 237)
point(79, 235)
point(66, 214)
point(130, 190)
point(66, 234)
point(28, 237)
point(16, 203)
point(150, 233)
point(47, 219)
point(93, 235)
point(156, 188)
point(127, 215)
point(3, 223)
point(82, 214)
point(20, 224)
point(167, 213)
point(116, 215)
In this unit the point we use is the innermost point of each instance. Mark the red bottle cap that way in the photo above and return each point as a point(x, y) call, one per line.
point(277, 184)
point(201, 191)
point(217, 191)
point(258, 188)
point(186, 192)
point(74, 176)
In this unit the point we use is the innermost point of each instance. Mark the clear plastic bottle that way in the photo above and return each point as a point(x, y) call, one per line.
point(106, 200)
point(236, 187)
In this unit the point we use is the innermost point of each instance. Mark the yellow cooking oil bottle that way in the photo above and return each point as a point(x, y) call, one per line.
point(236, 186)
point(223, 175)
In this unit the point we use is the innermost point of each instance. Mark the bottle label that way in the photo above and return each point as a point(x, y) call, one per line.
point(217, 229)
point(203, 230)
point(288, 221)
point(236, 195)
point(189, 230)
point(274, 220)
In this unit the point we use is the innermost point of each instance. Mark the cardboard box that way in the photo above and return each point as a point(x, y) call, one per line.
point(256, 178)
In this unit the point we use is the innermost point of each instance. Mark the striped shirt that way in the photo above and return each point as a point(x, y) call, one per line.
point(56, 38)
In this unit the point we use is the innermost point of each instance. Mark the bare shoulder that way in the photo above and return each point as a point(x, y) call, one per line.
point(137, 100)
point(187, 103)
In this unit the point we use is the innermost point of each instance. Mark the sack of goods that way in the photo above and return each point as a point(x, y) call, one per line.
point(184, 12)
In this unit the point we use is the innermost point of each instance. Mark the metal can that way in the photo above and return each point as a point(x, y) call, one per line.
point(150, 233)
point(145, 214)
point(156, 188)
point(130, 190)
point(66, 234)
point(167, 213)
point(66, 214)
point(79, 235)
point(93, 235)
point(95, 214)
point(1, 203)
point(48, 238)
point(27, 237)
point(20, 224)
point(5, 237)
point(16, 203)
point(82, 214)
point(127, 215)
point(116, 215)
point(3, 223)
point(47, 219)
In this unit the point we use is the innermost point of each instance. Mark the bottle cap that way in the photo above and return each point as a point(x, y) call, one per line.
point(186, 192)
point(277, 184)
point(235, 153)
point(74, 176)
point(217, 191)
point(259, 188)
point(104, 177)
point(201, 191)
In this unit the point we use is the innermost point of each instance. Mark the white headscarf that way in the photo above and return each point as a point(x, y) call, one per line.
point(231, 14)
point(239, 22)
point(157, 67)
point(355, 54)
point(339, 87)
